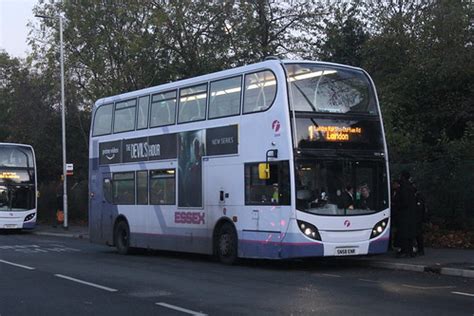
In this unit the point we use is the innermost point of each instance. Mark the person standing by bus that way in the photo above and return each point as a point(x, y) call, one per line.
point(395, 214)
point(407, 215)
point(59, 215)
point(420, 220)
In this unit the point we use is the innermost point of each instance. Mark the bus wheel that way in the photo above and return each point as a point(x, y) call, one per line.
point(122, 238)
point(226, 244)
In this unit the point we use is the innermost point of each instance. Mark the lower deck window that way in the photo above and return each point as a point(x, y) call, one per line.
point(163, 187)
point(124, 188)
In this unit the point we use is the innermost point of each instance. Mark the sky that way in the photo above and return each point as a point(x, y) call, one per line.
point(14, 15)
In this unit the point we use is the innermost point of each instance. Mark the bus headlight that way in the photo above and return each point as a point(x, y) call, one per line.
point(309, 230)
point(29, 217)
point(379, 228)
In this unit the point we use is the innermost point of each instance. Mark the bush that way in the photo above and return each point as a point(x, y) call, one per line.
point(447, 188)
point(50, 200)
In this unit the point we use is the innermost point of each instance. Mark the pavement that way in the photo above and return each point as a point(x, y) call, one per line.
point(452, 262)
point(74, 231)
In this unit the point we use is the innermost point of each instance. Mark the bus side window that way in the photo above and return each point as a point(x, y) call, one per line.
point(142, 113)
point(225, 97)
point(103, 120)
point(192, 104)
point(272, 191)
point(142, 187)
point(163, 109)
point(260, 91)
point(107, 190)
point(124, 119)
point(163, 187)
point(123, 188)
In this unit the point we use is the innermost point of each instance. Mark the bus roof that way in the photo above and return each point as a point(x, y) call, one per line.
point(208, 77)
point(16, 144)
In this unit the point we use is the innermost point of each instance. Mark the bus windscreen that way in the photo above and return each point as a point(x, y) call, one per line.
point(329, 89)
point(341, 187)
point(16, 157)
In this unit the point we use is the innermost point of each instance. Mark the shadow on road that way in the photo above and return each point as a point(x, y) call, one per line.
point(304, 264)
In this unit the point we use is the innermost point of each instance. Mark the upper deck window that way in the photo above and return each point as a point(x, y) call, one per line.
point(103, 120)
point(192, 104)
point(163, 109)
point(124, 119)
point(142, 113)
point(225, 97)
point(260, 91)
point(328, 89)
point(16, 156)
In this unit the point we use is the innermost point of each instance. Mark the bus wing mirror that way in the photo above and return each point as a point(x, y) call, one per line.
point(264, 171)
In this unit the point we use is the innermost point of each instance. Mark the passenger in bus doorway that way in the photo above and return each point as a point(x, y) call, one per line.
point(276, 194)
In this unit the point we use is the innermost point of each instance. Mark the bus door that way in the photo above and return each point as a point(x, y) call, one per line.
point(267, 192)
point(101, 207)
point(107, 208)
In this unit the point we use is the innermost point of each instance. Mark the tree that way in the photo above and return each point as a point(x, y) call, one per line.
point(345, 35)
point(27, 114)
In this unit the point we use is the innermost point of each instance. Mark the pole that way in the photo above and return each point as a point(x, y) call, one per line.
point(63, 114)
point(63, 121)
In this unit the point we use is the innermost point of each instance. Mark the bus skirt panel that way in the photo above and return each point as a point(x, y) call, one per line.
point(270, 245)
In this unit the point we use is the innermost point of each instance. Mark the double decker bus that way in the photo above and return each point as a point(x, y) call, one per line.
point(278, 159)
point(18, 198)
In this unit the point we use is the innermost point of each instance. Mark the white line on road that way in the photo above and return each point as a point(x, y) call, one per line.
point(331, 275)
point(367, 280)
point(427, 287)
point(184, 310)
point(465, 294)
point(17, 265)
point(86, 283)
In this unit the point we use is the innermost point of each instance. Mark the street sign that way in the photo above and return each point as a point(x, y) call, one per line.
point(69, 169)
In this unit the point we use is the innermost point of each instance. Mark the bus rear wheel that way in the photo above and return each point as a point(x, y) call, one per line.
point(122, 238)
point(226, 244)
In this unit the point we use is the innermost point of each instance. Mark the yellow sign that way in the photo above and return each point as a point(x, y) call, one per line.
point(9, 175)
point(263, 171)
point(333, 133)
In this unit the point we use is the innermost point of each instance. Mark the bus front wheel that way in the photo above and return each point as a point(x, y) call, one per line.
point(122, 238)
point(226, 244)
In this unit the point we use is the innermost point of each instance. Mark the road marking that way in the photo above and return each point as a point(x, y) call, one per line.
point(465, 294)
point(86, 283)
point(184, 310)
point(427, 287)
point(34, 249)
point(331, 275)
point(17, 265)
point(367, 280)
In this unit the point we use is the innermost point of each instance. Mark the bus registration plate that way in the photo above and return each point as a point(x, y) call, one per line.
point(346, 251)
point(9, 226)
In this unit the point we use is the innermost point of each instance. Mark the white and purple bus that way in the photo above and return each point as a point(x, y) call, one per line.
point(18, 198)
point(278, 159)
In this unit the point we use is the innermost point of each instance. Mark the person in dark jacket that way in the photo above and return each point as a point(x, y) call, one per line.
point(407, 215)
point(395, 213)
point(420, 220)
point(348, 198)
